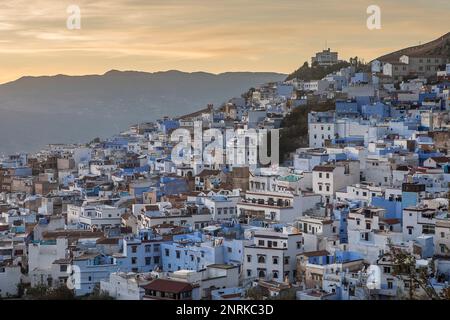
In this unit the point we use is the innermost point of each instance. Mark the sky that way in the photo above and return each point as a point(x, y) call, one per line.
point(204, 35)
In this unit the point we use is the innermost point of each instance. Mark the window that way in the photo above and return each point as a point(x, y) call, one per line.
point(387, 270)
point(249, 258)
point(63, 268)
point(261, 259)
point(328, 176)
point(286, 260)
point(390, 285)
point(261, 242)
point(320, 174)
point(275, 274)
point(148, 261)
point(178, 254)
point(133, 249)
point(156, 260)
point(428, 229)
point(275, 260)
point(320, 187)
point(262, 273)
point(133, 260)
point(409, 230)
point(156, 247)
point(148, 248)
point(166, 252)
point(230, 250)
point(249, 273)
point(442, 234)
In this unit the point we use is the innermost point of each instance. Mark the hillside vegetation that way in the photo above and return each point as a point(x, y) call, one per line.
point(294, 132)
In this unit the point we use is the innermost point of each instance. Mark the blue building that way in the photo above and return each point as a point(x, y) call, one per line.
point(347, 108)
point(378, 110)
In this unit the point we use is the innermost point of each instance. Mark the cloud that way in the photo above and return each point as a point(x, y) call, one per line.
point(215, 36)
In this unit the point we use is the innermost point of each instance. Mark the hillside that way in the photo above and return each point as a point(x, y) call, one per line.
point(307, 73)
point(437, 47)
point(39, 110)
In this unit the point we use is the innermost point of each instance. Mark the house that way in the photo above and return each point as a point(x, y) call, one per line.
point(10, 278)
point(325, 58)
point(442, 237)
point(126, 286)
point(213, 277)
point(165, 289)
point(418, 220)
point(313, 266)
point(44, 262)
point(90, 268)
point(329, 178)
point(275, 206)
point(436, 162)
point(272, 254)
point(209, 179)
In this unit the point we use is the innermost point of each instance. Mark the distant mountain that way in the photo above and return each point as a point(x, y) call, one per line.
point(35, 111)
point(438, 47)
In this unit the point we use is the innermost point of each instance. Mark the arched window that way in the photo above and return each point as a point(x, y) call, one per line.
point(275, 274)
point(262, 274)
point(262, 259)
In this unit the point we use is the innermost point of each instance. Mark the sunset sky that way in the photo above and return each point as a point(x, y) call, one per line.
point(206, 35)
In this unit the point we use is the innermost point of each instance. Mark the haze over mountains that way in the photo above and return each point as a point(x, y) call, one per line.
point(35, 111)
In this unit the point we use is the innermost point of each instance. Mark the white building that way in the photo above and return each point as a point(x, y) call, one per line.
point(43, 257)
point(10, 278)
point(329, 178)
point(125, 286)
point(275, 206)
point(272, 256)
point(417, 221)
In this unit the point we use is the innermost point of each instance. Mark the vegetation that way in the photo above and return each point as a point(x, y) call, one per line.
point(98, 294)
point(294, 128)
point(405, 269)
point(316, 72)
point(255, 293)
point(43, 292)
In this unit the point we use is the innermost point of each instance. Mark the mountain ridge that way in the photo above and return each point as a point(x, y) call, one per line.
point(37, 110)
point(439, 46)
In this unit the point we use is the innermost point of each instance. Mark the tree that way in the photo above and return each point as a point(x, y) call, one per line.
point(98, 294)
point(294, 128)
point(405, 269)
point(43, 292)
point(255, 293)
